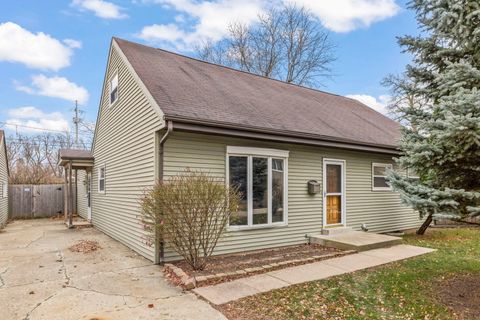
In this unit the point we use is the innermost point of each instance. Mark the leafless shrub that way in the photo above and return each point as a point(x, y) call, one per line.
point(190, 213)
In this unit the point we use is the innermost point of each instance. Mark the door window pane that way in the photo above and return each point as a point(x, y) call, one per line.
point(277, 190)
point(238, 179)
point(334, 209)
point(334, 178)
point(260, 190)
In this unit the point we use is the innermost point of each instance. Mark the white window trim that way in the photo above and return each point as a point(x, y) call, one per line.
point(115, 74)
point(250, 152)
point(412, 176)
point(4, 190)
point(384, 165)
point(104, 179)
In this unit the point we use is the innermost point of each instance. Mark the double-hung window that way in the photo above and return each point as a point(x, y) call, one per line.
point(260, 176)
point(114, 89)
point(101, 179)
point(379, 176)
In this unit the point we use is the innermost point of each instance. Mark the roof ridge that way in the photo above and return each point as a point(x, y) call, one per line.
point(235, 70)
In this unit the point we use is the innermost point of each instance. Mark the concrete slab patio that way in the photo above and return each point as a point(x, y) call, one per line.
point(41, 279)
point(237, 289)
point(356, 240)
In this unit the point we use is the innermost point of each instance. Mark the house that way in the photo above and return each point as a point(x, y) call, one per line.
point(305, 160)
point(3, 180)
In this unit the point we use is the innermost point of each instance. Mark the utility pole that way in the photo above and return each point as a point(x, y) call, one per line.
point(76, 121)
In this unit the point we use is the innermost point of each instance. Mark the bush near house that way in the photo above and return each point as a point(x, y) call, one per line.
point(189, 213)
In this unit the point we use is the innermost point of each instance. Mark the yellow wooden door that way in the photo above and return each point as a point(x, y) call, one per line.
point(334, 209)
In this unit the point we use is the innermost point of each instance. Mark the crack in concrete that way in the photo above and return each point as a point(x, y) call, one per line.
point(116, 272)
point(124, 295)
point(27, 317)
point(61, 258)
point(35, 240)
point(2, 282)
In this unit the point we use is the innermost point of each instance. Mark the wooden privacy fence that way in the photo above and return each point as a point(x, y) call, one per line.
point(27, 201)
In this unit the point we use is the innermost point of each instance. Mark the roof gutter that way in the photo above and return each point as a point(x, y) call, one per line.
point(209, 127)
point(159, 241)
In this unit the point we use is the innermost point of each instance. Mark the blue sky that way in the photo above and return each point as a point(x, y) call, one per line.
point(53, 52)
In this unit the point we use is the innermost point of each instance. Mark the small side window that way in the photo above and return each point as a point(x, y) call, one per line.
point(114, 89)
point(379, 176)
point(101, 179)
point(4, 190)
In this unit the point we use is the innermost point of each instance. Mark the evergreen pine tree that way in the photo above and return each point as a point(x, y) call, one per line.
point(441, 138)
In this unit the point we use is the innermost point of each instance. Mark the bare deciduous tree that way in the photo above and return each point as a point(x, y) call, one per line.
point(287, 44)
point(33, 159)
point(190, 212)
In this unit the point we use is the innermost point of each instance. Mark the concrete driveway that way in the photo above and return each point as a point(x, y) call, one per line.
point(41, 279)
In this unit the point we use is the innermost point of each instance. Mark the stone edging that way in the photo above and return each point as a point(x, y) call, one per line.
point(190, 282)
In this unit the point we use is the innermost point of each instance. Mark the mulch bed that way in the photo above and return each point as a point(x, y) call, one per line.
point(239, 261)
point(85, 246)
point(461, 294)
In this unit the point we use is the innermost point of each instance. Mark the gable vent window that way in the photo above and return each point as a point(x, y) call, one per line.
point(379, 176)
point(114, 89)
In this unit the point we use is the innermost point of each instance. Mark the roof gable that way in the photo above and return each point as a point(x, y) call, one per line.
point(3, 148)
point(191, 89)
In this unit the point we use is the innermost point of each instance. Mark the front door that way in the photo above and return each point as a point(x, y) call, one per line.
point(333, 192)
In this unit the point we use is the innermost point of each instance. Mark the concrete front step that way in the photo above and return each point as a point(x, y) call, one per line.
point(335, 230)
point(356, 240)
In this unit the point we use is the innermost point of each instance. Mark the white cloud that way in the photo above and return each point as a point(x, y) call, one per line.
point(72, 43)
point(348, 15)
point(102, 9)
point(379, 104)
point(211, 21)
point(56, 87)
point(35, 50)
point(211, 18)
point(165, 32)
point(28, 118)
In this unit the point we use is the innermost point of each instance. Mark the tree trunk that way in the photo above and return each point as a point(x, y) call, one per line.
point(425, 225)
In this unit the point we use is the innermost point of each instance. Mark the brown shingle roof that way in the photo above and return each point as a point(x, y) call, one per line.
point(192, 89)
point(75, 154)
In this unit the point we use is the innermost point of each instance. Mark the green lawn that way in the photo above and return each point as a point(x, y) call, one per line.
point(402, 290)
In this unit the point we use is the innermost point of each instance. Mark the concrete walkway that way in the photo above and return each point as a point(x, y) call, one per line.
point(237, 289)
point(41, 279)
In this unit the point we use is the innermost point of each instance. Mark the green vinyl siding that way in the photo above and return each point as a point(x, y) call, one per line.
point(3, 183)
point(380, 210)
point(125, 144)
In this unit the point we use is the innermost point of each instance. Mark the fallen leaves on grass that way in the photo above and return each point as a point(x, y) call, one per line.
point(406, 290)
point(85, 246)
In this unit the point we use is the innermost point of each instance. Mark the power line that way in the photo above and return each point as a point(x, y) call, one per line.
point(31, 127)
